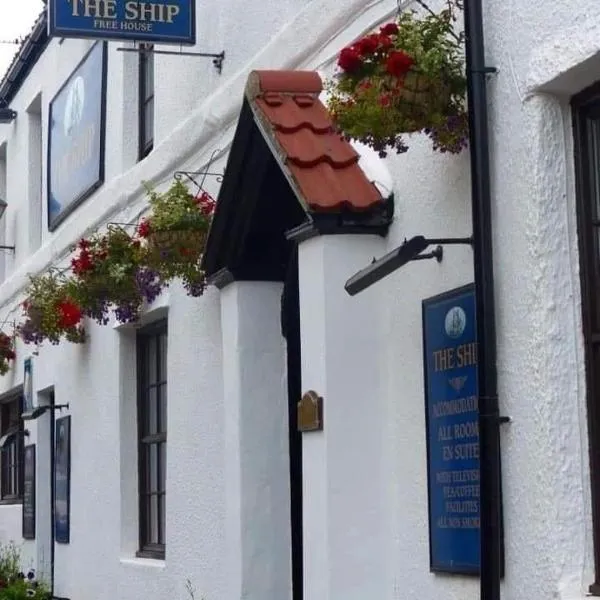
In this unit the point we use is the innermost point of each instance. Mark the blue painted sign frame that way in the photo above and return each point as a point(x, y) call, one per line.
point(158, 21)
point(76, 127)
point(62, 480)
point(452, 429)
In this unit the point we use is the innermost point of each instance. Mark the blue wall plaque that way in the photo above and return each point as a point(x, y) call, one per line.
point(150, 21)
point(450, 356)
point(62, 480)
point(76, 136)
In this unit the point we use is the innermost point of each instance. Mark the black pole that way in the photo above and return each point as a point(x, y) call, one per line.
point(489, 421)
point(52, 499)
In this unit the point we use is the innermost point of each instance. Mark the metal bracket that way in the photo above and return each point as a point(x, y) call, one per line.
point(9, 248)
point(437, 253)
point(450, 241)
point(218, 58)
point(191, 175)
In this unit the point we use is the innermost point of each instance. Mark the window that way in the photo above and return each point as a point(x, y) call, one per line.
point(11, 450)
point(152, 436)
point(586, 121)
point(146, 100)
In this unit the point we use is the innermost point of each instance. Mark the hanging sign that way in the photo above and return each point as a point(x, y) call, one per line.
point(450, 357)
point(157, 21)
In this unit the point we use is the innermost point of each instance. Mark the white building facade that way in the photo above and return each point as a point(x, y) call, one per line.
point(251, 508)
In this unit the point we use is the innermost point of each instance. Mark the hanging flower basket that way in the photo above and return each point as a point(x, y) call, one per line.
point(7, 352)
point(174, 234)
point(51, 311)
point(406, 78)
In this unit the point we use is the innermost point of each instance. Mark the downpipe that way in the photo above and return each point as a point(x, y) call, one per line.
point(489, 416)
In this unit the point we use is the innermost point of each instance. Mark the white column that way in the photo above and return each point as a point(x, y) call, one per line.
point(344, 486)
point(256, 442)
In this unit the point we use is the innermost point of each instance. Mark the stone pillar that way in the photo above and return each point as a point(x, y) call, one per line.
point(258, 535)
point(343, 479)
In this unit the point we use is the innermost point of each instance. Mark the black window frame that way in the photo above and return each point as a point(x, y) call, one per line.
point(145, 100)
point(147, 439)
point(12, 449)
point(585, 108)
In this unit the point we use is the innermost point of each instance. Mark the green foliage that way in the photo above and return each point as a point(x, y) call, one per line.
point(176, 209)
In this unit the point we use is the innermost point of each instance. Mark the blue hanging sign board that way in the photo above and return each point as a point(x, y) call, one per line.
point(155, 21)
point(450, 357)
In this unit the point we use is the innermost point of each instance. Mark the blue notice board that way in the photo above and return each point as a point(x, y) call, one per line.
point(154, 21)
point(450, 361)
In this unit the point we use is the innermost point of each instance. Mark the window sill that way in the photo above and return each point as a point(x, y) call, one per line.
point(594, 589)
point(11, 501)
point(147, 562)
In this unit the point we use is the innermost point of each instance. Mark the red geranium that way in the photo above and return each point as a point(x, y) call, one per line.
point(144, 228)
point(385, 42)
point(206, 203)
point(83, 263)
point(349, 60)
point(399, 63)
point(69, 313)
point(368, 45)
point(389, 29)
point(385, 100)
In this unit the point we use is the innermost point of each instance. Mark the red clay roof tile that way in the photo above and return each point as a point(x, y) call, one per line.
point(321, 164)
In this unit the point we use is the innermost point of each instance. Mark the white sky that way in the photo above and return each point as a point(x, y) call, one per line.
point(16, 20)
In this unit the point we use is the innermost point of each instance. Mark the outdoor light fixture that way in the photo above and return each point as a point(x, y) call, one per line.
point(38, 411)
point(7, 115)
point(3, 206)
point(8, 436)
point(410, 250)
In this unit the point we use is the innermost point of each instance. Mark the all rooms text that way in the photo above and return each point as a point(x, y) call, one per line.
point(138, 15)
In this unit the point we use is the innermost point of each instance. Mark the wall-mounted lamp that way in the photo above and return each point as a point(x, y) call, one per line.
point(12, 433)
point(38, 411)
point(3, 206)
point(410, 250)
point(7, 115)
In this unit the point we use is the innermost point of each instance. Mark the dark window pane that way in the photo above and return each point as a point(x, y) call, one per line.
point(152, 411)
point(162, 407)
point(153, 539)
point(153, 468)
point(162, 375)
point(162, 467)
point(151, 361)
point(162, 519)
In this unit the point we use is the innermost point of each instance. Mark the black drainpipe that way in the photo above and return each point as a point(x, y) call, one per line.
point(489, 416)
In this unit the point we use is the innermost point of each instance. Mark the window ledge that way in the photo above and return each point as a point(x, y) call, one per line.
point(11, 501)
point(138, 561)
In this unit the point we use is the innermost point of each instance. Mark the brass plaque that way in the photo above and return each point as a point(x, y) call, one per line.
point(310, 412)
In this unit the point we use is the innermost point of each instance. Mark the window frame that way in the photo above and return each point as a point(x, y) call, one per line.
point(585, 108)
point(15, 439)
point(145, 98)
point(148, 549)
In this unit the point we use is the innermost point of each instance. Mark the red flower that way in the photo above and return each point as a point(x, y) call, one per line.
point(385, 100)
point(399, 63)
point(389, 29)
point(349, 60)
point(206, 203)
point(83, 263)
point(385, 42)
point(84, 244)
point(10, 355)
point(69, 313)
point(184, 251)
point(144, 228)
point(368, 45)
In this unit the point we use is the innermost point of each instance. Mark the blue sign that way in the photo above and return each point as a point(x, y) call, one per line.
point(156, 21)
point(451, 404)
point(76, 137)
point(62, 480)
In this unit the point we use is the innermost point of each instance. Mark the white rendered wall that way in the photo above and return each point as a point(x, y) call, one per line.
point(537, 48)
